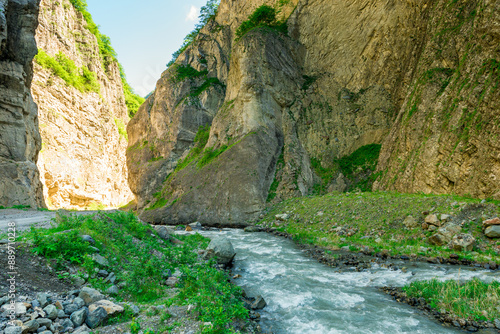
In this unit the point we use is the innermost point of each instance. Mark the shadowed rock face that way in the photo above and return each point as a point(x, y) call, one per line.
point(339, 79)
point(19, 135)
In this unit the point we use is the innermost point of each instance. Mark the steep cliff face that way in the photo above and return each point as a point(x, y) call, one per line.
point(19, 136)
point(274, 100)
point(278, 107)
point(446, 137)
point(82, 113)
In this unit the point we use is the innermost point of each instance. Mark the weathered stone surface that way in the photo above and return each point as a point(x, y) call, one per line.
point(90, 295)
point(493, 231)
point(50, 311)
point(164, 232)
point(445, 136)
point(410, 222)
point(491, 222)
point(432, 220)
point(20, 139)
point(79, 317)
point(444, 234)
point(223, 250)
point(259, 303)
point(83, 157)
point(13, 330)
point(96, 317)
point(462, 242)
point(110, 307)
point(20, 309)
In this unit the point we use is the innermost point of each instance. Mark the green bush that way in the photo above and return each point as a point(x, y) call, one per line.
point(109, 55)
point(81, 78)
point(122, 130)
point(264, 16)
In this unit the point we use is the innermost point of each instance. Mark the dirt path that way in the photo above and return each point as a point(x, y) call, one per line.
point(24, 219)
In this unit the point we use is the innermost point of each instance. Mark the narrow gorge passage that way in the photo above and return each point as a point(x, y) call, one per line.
point(306, 297)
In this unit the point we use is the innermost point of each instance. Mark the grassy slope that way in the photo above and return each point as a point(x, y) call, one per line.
point(139, 258)
point(380, 216)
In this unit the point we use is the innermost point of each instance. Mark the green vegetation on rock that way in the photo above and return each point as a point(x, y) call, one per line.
point(122, 130)
point(207, 13)
point(109, 55)
point(358, 168)
point(473, 300)
point(264, 16)
point(81, 78)
point(187, 72)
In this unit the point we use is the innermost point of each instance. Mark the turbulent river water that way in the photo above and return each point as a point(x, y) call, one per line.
point(306, 297)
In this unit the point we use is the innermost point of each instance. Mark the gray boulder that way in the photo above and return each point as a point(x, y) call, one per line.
point(222, 249)
point(13, 330)
point(462, 242)
point(89, 239)
point(493, 231)
point(51, 312)
point(82, 330)
point(90, 295)
point(112, 290)
point(164, 232)
point(259, 303)
point(70, 308)
point(100, 260)
point(31, 326)
point(79, 302)
point(96, 317)
point(444, 234)
point(79, 317)
point(4, 300)
point(410, 222)
point(196, 226)
point(67, 324)
point(44, 322)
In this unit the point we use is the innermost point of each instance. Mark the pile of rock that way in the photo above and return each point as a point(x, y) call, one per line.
point(78, 312)
point(491, 228)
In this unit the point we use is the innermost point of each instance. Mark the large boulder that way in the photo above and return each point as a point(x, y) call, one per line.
point(462, 242)
point(222, 249)
point(445, 234)
point(410, 222)
point(110, 307)
point(432, 220)
point(492, 231)
point(96, 317)
point(491, 222)
point(90, 295)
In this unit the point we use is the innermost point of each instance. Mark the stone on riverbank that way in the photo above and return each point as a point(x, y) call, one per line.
point(462, 242)
point(222, 249)
point(493, 231)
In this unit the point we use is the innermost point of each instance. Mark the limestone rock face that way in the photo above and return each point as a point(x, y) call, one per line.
point(445, 139)
point(19, 135)
point(275, 101)
point(82, 161)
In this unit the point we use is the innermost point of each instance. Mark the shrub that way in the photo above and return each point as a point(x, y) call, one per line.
point(264, 16)
point(81, 78)
point(122, 131)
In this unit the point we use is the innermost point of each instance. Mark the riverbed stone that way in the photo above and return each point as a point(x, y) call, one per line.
point(252, 229)
point(259, 303)
point(88, 239)
point(492, 231)
point(432, 220)
point(79, 317)
point(222, 249)
point(13, 330)
point(20, 308)
point(410, 222)
point(51, 312)
point(44, 322)
point(90, 295)
point(96, 317)
point(43, 299)
point(100, 260)
point(196, 226)
point(30, 326)
point(112, 290)
point(164, 232)
point(462, 242)
point(110, 307)
point(491, 222)
point(282, 217)
point(445, 234)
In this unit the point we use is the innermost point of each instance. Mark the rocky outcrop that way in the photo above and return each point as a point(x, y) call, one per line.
point(19, 135)
point(82, 162)
point(445, 139)
point(276, 102)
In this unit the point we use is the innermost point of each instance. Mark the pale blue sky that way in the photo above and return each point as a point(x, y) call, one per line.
point(145, 34)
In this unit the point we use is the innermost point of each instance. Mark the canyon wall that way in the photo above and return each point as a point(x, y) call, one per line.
point(446, 136)
point(20, 139)
point(268, 102)
point(82, 113)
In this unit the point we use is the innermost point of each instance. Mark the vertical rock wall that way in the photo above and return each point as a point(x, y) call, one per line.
point(20, 140)
point(82, 161)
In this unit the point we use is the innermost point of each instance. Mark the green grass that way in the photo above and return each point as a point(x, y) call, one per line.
point(18, 207)
point(81, 78)
point(358, 167)
point(264, 16)
point(473, 300)
point(122, 129)
point(380, 215)
point(139, 261)
point(187, 72)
